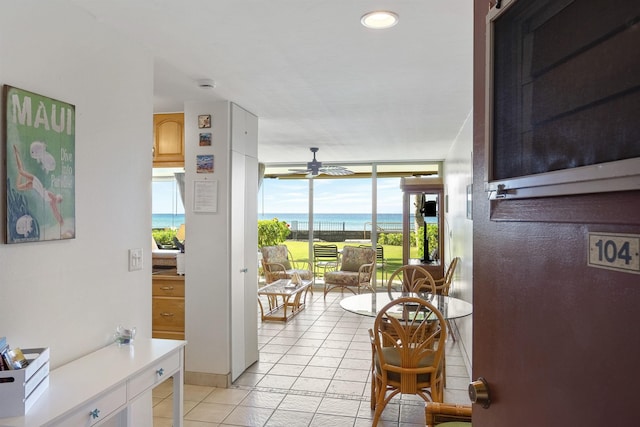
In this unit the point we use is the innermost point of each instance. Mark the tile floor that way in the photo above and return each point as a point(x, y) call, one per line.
point(313, 371)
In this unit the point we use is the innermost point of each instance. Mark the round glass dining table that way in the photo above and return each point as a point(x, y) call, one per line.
point(370, 304)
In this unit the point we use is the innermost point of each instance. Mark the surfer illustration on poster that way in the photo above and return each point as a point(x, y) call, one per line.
point(40, 167)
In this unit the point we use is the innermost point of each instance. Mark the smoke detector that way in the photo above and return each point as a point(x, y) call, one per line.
point(206, 84)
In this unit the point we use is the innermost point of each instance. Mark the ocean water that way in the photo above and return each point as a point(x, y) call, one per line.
point(166, 220)
point(347, 222)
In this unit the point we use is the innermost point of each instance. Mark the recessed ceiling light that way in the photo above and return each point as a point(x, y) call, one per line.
point(379, 19)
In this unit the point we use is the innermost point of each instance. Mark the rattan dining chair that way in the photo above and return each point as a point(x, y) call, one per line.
point(454, 415)
point(408, 342)
point(411, 278)
point(444, 285)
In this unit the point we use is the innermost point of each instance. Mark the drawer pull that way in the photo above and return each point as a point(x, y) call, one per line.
point(166, 314)
point(95, 413)
point(167, 288)
point(160, 372)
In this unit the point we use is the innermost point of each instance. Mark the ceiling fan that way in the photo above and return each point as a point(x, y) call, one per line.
point(315, 168)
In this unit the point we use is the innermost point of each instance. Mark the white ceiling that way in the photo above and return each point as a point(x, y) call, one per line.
point(311, 72)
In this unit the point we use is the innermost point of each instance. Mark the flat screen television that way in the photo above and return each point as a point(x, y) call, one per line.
point(563, 97)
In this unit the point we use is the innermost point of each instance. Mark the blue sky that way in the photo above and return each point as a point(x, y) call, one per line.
point(291, 196)
point(330, 196)
point(164, 198)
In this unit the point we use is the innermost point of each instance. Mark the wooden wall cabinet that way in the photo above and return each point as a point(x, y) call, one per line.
point(168, 140)
point(168, 306)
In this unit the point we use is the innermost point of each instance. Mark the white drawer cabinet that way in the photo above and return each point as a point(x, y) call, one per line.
point(96, 410)
point(105, 384)
point(154, 375)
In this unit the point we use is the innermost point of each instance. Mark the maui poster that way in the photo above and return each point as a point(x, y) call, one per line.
point(39, 144)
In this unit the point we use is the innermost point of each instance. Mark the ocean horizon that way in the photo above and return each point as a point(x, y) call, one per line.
point(348, 221)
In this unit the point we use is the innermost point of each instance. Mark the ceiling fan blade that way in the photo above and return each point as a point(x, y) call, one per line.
point(299, 170)
point(315, 168)
point(335, 170)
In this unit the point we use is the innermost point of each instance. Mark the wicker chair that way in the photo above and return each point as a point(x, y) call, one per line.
point(447, 415)
point(444, 285)
point(411, 278)
point(381, 261)
point(408, 342)
point(277, 263)
point(356, 267)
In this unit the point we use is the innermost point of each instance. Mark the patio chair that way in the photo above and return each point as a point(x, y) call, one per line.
point(325, 258)
point(356, 267)
point(408, 343)
point(451, 415)
point(277, 263)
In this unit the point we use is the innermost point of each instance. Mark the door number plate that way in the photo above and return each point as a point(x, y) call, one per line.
point(615, 251)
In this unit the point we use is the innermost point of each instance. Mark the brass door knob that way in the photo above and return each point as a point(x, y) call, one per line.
point(479, 392)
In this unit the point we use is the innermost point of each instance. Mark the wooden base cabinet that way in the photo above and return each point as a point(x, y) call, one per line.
point(168, 306)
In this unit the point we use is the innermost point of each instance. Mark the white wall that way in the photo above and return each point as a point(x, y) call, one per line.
point(207, 299)
point(71, 295)
point(458, 173)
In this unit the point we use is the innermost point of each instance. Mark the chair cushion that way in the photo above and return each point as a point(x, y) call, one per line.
point(392, 357)
point(341, 278)
point(277, 254)
point(285, 262)
point(352, 265)
point(353, 258)
point(304, 274)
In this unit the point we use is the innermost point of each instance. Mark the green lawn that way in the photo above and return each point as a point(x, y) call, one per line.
point(393, 254)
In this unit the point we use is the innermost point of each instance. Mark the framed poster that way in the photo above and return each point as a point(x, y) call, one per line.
point(38, 135)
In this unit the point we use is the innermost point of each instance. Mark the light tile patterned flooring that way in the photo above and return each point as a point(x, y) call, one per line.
point(313, 371)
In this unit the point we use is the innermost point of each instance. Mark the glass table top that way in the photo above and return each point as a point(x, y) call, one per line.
point(369, 304)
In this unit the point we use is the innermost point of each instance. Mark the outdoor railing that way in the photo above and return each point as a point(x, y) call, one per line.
point(383, 227)
point(336, 230)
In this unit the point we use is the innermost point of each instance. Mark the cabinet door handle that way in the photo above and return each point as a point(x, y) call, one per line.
point(166, 314)
point(167, 288)
point(95, 413)
point(244, 270)
point(160, 372)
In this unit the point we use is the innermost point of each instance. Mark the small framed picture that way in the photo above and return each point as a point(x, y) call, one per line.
point(204, 121)
point(204, 163)
point(205, 139)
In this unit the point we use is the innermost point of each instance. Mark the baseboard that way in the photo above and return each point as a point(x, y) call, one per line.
point(207, 379)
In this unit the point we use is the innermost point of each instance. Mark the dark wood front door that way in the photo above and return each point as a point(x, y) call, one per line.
point(557, 341)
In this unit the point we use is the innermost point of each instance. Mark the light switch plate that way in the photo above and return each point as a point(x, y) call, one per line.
point(135, 259)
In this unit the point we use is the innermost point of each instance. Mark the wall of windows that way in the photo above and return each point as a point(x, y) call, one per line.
point(167, 209)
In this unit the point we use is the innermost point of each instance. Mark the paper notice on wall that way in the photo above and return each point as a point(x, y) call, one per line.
point(205, 196)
